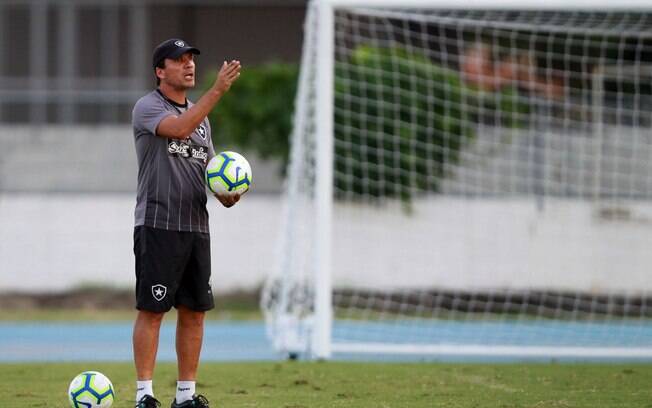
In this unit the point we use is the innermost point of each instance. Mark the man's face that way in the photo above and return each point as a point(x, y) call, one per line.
point(178, 73)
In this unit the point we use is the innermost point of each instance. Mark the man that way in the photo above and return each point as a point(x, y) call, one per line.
point(171, 239)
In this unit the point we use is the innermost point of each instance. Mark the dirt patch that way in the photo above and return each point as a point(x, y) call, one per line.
point(74, 299)
point(109, 299)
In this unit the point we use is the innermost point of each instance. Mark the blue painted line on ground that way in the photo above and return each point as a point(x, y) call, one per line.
point(246, 341)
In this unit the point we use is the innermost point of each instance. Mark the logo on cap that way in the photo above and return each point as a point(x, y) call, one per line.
point(179, 43)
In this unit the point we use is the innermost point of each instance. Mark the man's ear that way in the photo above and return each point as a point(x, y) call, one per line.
point(160, 73)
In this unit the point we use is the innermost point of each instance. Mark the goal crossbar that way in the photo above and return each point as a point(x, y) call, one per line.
point(628, 5)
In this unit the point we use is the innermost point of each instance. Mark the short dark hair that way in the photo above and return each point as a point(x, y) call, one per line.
point(160, 64)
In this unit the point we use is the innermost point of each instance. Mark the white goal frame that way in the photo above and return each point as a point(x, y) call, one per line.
point(321, 345)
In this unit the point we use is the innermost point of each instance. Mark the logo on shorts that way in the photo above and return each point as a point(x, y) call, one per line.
point(159, 292)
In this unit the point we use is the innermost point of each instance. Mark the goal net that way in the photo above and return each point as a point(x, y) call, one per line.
point(469, 182)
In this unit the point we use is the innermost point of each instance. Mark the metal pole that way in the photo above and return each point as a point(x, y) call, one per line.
point(139, 50)
point(67, 63)
point(38, 61)
point(321, 341)
point(109, 57)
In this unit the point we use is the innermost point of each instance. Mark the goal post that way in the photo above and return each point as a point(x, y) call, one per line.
point(321, 347)
point(468, 179)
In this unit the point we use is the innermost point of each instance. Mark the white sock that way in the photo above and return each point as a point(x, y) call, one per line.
point(185, 391)
point(143, 388)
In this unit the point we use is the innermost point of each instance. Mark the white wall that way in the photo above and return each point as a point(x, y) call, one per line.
point(488, 244)
point(66, 216)
point(87, 159)
point(66, 210)
point(53, 242)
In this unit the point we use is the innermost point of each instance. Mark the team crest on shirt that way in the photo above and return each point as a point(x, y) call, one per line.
point(201, 131)
point(159, 292)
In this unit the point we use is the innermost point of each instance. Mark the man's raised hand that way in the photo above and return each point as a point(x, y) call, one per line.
point(226, 77)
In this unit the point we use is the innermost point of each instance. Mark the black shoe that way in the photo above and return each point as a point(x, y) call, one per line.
point(147, 401)
point(197, 401)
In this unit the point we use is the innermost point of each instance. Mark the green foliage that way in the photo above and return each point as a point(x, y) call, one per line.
point(408, 121)
point(256, 113)
point(400, 119)
point(411, 118)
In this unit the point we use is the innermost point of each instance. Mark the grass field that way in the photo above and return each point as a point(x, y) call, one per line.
point(334, 384)
point(314, 385)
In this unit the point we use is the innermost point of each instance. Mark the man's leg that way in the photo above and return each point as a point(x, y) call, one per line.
point(145, 342)
point(194, 294)
point(190, 333)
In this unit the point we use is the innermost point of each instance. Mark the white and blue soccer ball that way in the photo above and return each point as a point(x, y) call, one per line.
point(228, 173)
point(91, 389)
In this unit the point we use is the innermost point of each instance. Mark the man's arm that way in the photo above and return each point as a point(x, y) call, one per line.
point(180, 127)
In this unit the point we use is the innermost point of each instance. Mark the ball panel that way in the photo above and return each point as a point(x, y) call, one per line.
point(218, 184)
point(77, 384)
point(84, 398)
point(215, 164)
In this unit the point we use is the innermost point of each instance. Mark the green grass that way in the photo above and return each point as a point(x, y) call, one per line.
point(359, 385)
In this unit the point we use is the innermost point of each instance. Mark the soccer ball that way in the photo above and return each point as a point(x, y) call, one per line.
point(91, 389)
point(228, 173)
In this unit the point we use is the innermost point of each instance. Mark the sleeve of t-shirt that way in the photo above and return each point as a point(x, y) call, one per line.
point(148, 113)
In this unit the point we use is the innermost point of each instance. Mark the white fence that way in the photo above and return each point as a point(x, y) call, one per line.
point(66, 218)
point(55, 242)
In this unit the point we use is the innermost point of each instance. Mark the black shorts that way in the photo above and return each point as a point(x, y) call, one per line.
point(173, 268)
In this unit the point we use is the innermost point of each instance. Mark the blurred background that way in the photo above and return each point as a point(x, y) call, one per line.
point(70, 73)
point(490, 167)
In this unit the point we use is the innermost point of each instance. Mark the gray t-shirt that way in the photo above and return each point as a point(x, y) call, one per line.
point(171, 189)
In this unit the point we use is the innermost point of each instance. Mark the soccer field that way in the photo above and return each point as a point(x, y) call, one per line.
point(296, 385)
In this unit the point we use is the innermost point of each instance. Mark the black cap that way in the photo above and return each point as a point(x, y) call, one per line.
point(172, 48)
